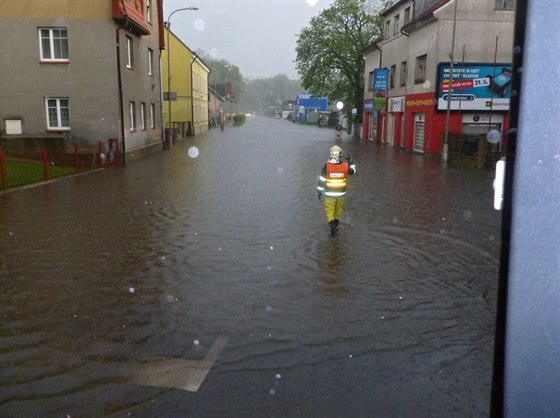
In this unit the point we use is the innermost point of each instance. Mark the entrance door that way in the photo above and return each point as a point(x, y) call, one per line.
point(390, 128)
point(419, 132)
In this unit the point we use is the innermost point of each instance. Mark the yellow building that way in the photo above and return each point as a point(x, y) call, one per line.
point(185, 83)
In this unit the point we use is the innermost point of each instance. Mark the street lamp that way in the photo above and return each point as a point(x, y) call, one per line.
point(169, 64)
point(445, 148)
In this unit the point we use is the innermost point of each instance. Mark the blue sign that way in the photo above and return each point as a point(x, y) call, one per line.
point(473, 86)
point(380, 87)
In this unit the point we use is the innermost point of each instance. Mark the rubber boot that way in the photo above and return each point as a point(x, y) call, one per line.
point(333, 228)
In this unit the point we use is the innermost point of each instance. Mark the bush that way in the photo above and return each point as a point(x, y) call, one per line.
point(239, 119)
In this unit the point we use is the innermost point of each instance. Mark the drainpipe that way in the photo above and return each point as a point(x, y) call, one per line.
point(119, 79)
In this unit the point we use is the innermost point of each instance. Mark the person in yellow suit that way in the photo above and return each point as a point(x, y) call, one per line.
point(332, 185)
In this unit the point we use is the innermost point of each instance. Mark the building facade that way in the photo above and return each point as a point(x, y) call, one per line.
point(185, 81)
point(415, 51)
point(83, 70)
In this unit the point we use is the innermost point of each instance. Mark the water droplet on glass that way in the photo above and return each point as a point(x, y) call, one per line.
point(278, 376)
point(516, 49)
point(196, 342)
point(272, 391)
point(271, 248)
point(269, 308)
point(102, 156)
point(10, 233)
point(193, 152)
point(269, 268)
point(467, 214)
point(219, 248)
point(350, 356)
point(427, 84)
point(131, 290)
point(199, 24)
point(170, 298)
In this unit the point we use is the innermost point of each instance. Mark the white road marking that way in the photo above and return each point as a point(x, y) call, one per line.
point(176, 373)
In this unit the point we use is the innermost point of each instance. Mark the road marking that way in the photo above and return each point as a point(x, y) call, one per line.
point(177, 373)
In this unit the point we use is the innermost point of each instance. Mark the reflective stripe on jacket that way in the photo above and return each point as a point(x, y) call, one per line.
point(333, 179)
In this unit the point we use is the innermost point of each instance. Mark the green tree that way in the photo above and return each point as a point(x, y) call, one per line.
point(330, 52)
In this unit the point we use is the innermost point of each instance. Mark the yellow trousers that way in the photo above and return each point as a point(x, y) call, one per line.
point(333, 208)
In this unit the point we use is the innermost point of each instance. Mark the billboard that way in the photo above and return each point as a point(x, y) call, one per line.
point(380, 84)
point(476, 86)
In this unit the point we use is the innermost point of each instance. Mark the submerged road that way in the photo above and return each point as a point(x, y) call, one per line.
point(203, 282)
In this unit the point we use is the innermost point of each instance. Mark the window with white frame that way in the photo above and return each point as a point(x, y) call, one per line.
point(404, 73)
point(396, 25)
point(152, 115)
point(150, 61)
point(149, 11)
point(132, 115)
point(143, 116)
point(420, 71)
point(387, 29)
point(129, 53)
point(58, 113)
point(406, 15)
point(504, 4)
point(392, 72)
point(54, 44)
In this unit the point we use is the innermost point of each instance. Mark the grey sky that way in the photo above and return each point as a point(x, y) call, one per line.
point(258, 36)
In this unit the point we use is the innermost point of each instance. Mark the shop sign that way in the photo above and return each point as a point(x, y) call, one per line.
point(473, 86)
point(396, 104)
point(380, 85)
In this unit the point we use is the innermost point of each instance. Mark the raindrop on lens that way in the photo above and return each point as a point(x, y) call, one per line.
point(131, 290)
point(278, 376)
point(196, 342)
point(516, 49)
point(170, 298)
point(199, 24)
point(427, 84)
point(193, 152)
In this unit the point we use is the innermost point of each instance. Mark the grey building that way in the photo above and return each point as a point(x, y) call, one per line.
point(82, 71)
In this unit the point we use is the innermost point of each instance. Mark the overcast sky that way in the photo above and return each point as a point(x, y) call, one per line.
point(258, 36)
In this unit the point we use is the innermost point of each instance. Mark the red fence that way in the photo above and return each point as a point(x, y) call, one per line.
point(29, 161)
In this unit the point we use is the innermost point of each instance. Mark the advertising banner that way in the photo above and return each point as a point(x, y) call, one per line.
point(475, 86)
point(380, 84)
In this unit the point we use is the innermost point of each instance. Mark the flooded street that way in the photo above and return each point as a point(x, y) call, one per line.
point(203, 282)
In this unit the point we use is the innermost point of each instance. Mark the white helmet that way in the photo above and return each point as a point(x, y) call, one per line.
point(335, 152)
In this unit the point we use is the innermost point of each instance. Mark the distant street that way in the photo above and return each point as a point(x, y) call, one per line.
point(203, 282)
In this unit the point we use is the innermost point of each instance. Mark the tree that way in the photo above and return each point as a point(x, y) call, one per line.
point(330, 53)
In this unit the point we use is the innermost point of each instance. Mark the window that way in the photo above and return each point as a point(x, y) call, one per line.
point(149, 11)
point(152, 115)
point(392, 72)
point(403, 73)
point(396, 25)
point(387, 29)
point(406, 15)
point(420, 73)
point(504, 4)
point(132, 115)
point(54, 44)
point(58, 113)
point(143, 116)
point(150, 61)
point(129, 53)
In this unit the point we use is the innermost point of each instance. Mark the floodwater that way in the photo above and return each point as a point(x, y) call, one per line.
point(203, 282)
